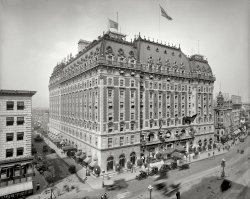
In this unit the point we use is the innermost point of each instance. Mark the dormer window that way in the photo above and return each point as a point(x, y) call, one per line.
point(172, 53)
point(148, 48)
point(157, 50)
point(165, 51)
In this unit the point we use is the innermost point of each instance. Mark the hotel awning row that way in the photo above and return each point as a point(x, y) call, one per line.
point(68, 148)
point(16, 188)
point(237, 131)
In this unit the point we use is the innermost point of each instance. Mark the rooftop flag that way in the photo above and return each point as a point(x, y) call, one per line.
point(164, 14)
point(113, 24)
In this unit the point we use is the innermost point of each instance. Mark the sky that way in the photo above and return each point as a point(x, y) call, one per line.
point(37, 34)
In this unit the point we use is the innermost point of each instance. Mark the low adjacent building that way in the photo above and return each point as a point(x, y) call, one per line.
point(16, 170)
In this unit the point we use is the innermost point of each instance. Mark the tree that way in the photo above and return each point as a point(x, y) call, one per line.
point(45, 148)
point(33, 151)
point(159, 156)
point(72, 169)
point(49, 176)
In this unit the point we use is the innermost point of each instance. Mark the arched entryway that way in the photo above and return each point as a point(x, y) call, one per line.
point(122, 160)
point(132, 157)
point(110, 163)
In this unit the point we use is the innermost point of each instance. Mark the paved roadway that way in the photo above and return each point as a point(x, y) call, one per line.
point(138, 189)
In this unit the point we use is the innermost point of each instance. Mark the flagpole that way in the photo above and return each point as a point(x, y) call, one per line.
point(159, 20)
point(117, 21)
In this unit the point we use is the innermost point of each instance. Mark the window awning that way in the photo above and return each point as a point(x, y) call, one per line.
point(68, 148)
point(87, 160)
point(16, 188)
point(93, 163)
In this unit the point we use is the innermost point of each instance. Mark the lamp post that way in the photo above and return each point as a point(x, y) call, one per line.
point(103, 178)
point(223, 164)
point(150, 188)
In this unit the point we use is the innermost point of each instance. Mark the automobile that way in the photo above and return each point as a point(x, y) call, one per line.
point(116, 184)
point(154, 171)
point(183, 166)
point(142, 175)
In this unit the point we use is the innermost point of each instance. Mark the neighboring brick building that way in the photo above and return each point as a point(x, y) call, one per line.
point(16, 170)
point(114, 95)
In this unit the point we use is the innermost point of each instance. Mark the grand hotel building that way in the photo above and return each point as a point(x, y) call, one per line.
point(114, 96)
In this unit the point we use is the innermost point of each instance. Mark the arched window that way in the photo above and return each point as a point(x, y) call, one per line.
point(110, 163)
point(122, 160)
point(132, 157)
point(151, 137)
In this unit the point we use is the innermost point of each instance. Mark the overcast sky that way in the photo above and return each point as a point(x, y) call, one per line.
point(36, 34)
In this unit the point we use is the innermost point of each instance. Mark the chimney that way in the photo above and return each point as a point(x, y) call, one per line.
point(82, 44)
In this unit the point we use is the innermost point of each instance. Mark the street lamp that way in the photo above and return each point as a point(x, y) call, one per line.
point(223, 164)
point(150, 188)
point(103, 178)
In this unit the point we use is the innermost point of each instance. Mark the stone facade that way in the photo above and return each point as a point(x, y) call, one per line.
point(114, 95)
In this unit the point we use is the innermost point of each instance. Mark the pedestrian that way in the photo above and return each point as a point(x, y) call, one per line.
point(213, 153)
point(37, 186)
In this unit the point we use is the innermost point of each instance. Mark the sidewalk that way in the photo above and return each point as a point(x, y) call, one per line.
point(96, 182)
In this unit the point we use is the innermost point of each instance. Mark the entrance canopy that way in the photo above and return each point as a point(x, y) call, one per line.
point(68, 148)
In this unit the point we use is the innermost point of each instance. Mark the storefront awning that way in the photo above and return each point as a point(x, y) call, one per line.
point(93, 163)
point(16, 188)
point(87, 159)
point(68, 148)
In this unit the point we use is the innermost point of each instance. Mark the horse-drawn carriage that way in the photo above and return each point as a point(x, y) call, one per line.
point(168, 188)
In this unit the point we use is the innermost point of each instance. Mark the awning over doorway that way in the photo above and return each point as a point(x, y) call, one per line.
point(68, 148)
point(87, 159)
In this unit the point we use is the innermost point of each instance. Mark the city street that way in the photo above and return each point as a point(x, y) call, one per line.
point(234, 169)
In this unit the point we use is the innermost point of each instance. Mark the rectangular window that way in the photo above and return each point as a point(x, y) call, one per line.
point(122, 93)
point(109, 93)
point(132, 126)
point(121, 116)
point(132, 116)
point(121, 105)
point(121, 141)
point(20, 105)
point(9, 153)
point(110, 129)
point(121, 82)
point(10, 105)
point(20, 136)
point(9, 137)
point(132, 140)
point(132, 94)
point(19, 151)
point(109, 142)
point(121, 127)
point(9, 121)
point(20, 120)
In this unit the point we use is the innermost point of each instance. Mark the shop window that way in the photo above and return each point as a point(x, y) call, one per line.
point(110, 163)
